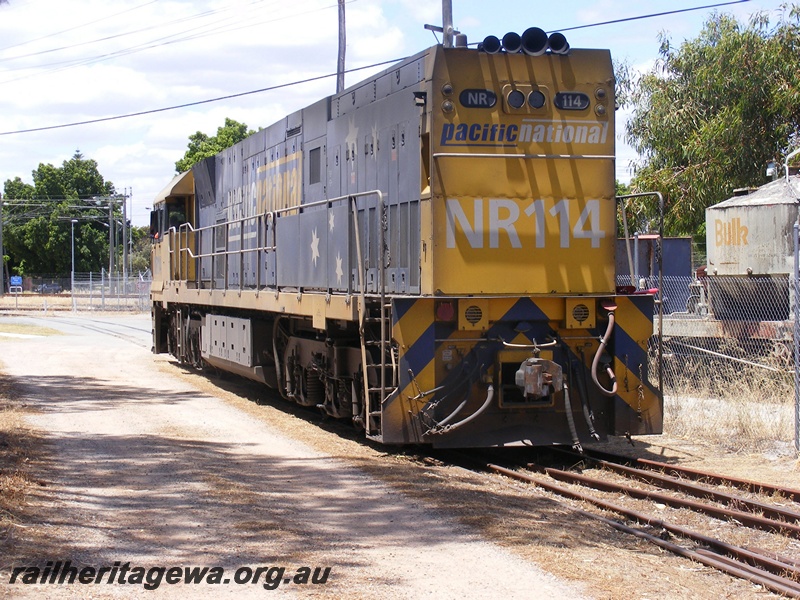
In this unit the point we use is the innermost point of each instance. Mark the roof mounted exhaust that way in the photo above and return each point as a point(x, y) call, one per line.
point(533, 42)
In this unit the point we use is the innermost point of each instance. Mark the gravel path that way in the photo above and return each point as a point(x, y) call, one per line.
point(146, 469)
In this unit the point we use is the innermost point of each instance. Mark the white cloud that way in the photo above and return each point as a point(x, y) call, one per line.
point(144, 61)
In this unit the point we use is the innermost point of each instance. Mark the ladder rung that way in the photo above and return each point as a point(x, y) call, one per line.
point(389, 391)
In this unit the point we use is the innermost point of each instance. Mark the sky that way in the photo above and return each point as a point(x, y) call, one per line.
point(69, 62)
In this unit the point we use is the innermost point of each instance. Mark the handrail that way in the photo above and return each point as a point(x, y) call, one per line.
point(363, 298)
point(660, 280)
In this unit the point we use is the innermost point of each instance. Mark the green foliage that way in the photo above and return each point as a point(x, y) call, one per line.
point(202, 146)
point(37, 219)
point(140, 251)
point(712, 113)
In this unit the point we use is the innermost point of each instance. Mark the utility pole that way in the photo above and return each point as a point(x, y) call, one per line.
point(125, 241)
point(110, 239)
point(447, 23)
point(342, 45)
point(130, 234)
point(2, 257)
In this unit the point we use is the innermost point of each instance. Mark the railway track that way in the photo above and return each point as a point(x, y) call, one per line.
point(664, 485)
point(139, 334)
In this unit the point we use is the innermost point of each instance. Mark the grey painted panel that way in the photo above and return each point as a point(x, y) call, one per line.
point(249, 262)
point(384, 155)
point(204, 174)
point(233, 260)
point(383, 85)
point(351, 168)
point(405, 75)
point(254, 144)
point(315, 119)
point(302, 242)
point(268, 262)
point(287, 252)
point(276, 133)
point(294, 144)
point(221, 189)
point(294, 120)
point(409, 74)
point(334, 169)
point(370, 162)
point(409, 162)
point(339, 237)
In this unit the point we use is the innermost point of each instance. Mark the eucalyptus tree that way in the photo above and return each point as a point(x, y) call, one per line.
point(713, 111)
point(37, 228)
point(203, 146)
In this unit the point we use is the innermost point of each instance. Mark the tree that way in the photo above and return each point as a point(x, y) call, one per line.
point(37, 227)
point(711, 114)
point(202, 146)
point(140, 251)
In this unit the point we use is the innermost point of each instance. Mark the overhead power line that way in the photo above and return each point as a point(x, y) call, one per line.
point(320, 77)
point(199, 102)
point(223, 26)
point(653, 15)
point(49, 35)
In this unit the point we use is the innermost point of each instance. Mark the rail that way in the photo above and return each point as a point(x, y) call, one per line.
point(186, 239)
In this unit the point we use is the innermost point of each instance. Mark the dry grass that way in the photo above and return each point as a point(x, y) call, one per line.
point(36, 302)
point(17, 447)
point(731, 404)
point(20, 329)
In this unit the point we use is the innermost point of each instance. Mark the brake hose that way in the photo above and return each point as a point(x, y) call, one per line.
point(603, 343)
point(475, 415)
point(576, 442)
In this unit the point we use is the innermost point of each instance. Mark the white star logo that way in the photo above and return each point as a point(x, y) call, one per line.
point(339, 271)
point(352, 131)
point(314, 247)
point(330, 222)
point(375, 143)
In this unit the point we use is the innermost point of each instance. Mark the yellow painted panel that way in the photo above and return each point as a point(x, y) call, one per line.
point(524, 246)
point(523, 198)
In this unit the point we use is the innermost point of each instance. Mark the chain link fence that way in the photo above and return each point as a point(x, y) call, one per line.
point(88, 292)
point(729, 360)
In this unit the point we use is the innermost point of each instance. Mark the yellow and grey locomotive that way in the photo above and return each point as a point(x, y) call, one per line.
point(429, 253)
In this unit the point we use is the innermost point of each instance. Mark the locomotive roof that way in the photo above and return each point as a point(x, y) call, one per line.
point(774, 192)
point(181, 185)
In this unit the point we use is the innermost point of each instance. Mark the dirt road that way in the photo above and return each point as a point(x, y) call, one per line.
point(145, 470)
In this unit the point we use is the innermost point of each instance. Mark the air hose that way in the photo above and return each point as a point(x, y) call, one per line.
point(475, 415)
point(587, 411)
point(596, 361)
point(576, 443)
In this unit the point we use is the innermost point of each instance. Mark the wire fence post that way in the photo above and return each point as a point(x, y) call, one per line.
point(796, 336)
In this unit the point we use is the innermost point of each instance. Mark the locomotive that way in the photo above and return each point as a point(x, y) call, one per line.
point(429, 254)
